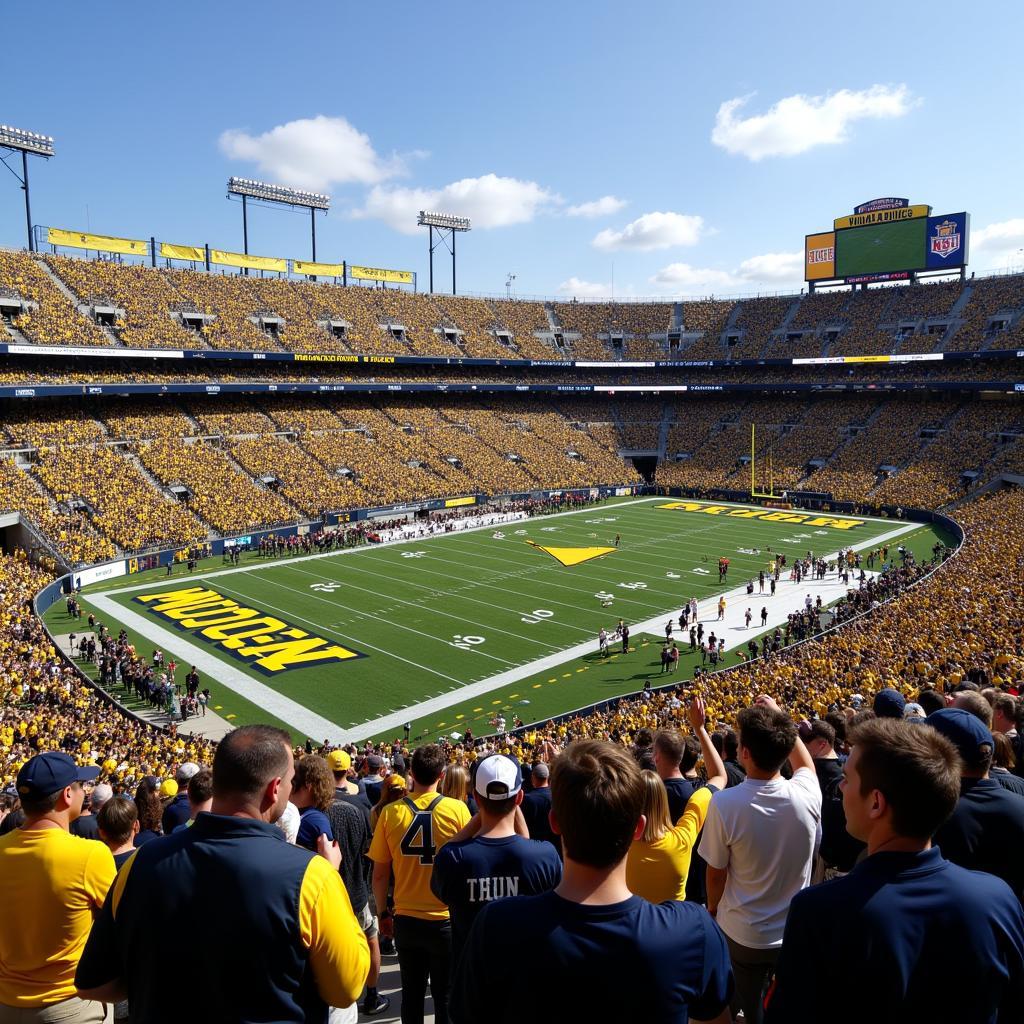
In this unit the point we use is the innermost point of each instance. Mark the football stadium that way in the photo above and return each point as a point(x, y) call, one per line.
point(364, 625)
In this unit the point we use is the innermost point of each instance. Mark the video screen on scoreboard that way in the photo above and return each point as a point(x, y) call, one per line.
point(881, 248)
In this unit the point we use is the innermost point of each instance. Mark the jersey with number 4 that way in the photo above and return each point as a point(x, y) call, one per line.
point(409, 833)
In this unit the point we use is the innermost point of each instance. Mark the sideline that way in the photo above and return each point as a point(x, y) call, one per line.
point(508, 517)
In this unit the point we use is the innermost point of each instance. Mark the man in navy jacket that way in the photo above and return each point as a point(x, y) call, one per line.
point(905, 936)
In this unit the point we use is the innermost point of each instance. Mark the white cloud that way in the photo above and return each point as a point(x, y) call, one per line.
point(771, 271)
point(313, 153)
point(684, 279)
point(489, 201)
point(603, 207)
point(799, 123)
point(584, 289)
point(773, 268)
point(652, 231)
point(1000, 244)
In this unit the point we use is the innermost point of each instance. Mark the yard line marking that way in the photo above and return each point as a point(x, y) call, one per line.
point(433, 611)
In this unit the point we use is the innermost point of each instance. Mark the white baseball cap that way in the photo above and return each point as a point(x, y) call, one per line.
point(498, 777)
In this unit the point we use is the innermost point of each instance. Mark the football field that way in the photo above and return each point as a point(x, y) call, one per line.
point(442, 632)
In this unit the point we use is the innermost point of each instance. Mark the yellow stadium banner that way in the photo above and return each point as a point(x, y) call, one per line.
point(378, 274)
point(192, 253)
point(820, 256)
point(457, 502)
point(308, 269)
point(237, 259)
point(860, 220)
point(101, 243)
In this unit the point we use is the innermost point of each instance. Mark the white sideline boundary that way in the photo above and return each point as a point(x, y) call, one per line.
point(512, 518)
point(315, 726)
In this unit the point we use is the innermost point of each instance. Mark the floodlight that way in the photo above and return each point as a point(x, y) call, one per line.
point(443, 220)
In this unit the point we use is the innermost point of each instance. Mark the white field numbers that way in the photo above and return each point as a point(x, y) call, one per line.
point(537, 615)
point(467, 643)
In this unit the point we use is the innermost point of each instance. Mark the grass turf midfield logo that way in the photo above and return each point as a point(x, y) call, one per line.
point(571, 556)
point(764, 514)
point(265, 642)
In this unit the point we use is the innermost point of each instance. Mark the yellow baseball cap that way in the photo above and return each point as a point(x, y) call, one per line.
point(168, 788)
point(339, 760)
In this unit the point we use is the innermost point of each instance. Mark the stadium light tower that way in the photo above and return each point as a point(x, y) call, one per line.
point(446, 226)
point(17, 140)
point(263, 192)
point(508, 285)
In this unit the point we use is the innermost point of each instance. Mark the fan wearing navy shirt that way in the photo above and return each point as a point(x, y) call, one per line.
point(906, 935)
point(597, 951)
point(986, 829)
point(669, 748)
point(312, 792)
point(491, 858)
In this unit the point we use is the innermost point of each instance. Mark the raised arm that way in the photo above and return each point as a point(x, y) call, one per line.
point(712, 761)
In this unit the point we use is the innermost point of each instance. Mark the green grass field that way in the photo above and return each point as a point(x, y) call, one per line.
point(442, 632)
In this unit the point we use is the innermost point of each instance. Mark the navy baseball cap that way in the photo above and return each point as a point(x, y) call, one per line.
point(45, 774)
point(965, 731)
point(889, 703)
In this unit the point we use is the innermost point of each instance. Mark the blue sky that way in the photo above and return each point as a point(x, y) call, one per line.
point(660, 148)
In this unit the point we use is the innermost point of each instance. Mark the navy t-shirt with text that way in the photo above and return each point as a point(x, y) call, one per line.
point(469, 875)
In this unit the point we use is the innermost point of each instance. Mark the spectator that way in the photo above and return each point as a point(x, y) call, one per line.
point(376, 773)
point(312, 793)
point(352, 832)
point(839, 850)
point(52, 885)
point(889, 703)
point(669, 748)
point(346, 787)
point(536, 806)
point(394, 788)
point(891, 920)
point(151, 810)
point(985, 832)
point(758, 843)
point(269, 928)
point(455, 784)
point(85, 825)
point(408, 835)
point(491, 858)
point(658, 864)
point(177, 811)
point(200, 796)
point(118, 822)
point(1005, 713)
point(597, 952)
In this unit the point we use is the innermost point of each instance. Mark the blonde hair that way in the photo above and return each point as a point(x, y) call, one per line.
point(455, 782)
point(655, 808)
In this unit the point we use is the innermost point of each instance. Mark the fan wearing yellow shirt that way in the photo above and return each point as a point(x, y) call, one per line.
point(659, 860)
point(52, 886)
point(408, 835)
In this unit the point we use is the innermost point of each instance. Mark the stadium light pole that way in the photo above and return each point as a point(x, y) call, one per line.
point(263, 192)
point(508, 285)
point(446, 226)
point(17, 140)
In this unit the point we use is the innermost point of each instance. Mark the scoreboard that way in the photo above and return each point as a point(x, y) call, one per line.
point(887, 240)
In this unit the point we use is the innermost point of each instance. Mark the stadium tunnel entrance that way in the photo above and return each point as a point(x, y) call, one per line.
point(645, 465)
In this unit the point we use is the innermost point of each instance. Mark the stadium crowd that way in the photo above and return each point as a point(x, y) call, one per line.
point(240, 312)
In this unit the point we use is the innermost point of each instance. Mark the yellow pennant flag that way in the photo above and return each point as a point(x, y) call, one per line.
point(571, 556)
